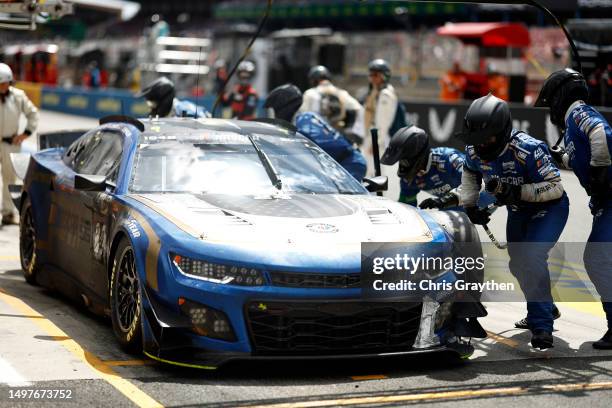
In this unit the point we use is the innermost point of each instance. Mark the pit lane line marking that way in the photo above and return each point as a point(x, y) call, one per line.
point(128, 363)
point(503, 340)
point(446, 395)
point(133, 393)
point(368, 377)
point(10, 376)
point(9, 258)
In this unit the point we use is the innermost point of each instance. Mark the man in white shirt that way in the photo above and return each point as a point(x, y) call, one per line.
point(380, 110)
point(13, 103)
point(336, 105)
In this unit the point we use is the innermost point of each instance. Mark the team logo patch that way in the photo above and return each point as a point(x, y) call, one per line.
point(538, 153)
point(508, 166)
point(322, 228)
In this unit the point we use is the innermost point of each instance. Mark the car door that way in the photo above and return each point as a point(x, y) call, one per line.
point(63, 215)
point(94, 215)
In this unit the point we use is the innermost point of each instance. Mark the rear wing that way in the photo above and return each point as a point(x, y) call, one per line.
point(62, 138)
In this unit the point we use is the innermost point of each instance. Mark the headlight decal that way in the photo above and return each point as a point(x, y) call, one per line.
point(218, 273)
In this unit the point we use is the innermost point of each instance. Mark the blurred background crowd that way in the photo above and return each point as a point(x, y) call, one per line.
point(436, 51)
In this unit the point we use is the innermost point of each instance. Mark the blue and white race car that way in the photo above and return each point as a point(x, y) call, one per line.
point(207, 240)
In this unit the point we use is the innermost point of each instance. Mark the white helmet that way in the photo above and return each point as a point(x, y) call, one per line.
point(6, 74)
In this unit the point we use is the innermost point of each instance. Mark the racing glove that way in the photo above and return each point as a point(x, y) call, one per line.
point(505, 193)
point(445, 201)
point(599, 188)
point(478, 216)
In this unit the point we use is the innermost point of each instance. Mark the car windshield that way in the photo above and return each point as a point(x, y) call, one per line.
point(222, 162)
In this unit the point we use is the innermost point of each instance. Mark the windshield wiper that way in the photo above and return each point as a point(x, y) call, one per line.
point(265, 160)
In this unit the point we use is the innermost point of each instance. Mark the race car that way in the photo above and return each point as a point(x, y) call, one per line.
point(210, 240)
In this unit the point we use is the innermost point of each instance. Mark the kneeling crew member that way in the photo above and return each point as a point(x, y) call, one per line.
point(435, 170)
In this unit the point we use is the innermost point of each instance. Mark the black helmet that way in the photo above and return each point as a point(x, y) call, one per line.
point(285, 100)
point(560, 90)
point(410, 146)
point(160, 96)
point(382, 66)
point(317, 74)
point(487, 126)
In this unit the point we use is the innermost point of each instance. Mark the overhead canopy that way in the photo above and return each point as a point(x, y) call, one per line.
point(488, 34)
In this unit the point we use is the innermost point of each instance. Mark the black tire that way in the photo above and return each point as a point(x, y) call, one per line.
point(461, 229)
point(28, 254)
point(125, 298)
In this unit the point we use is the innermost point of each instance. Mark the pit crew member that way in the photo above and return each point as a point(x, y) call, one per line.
point(436, 170)
point(285, 101)
point(243, 98)
point(13, 103)
point(587, 137)
point(520, 172)
point(337, 106)
point(161, 99)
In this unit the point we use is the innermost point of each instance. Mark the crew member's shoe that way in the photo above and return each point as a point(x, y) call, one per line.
point(522, 324)
point(9, 219)
point(605, 343)
point(541, 339)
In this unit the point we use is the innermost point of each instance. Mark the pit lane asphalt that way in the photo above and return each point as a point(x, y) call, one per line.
point(48, 343)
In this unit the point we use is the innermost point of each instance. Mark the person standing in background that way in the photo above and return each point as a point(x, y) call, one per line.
point(13, 103)
point(453, 84)
point(243, 98)
point(381, 108)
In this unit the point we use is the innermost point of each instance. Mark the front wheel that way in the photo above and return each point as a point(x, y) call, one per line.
point(27, 244)
point(125, 298)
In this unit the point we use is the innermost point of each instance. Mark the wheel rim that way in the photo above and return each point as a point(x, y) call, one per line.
point(128, 296)
point(27, 241)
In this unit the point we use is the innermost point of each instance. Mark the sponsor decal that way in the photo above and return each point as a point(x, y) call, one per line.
point(521, 155)
point(132, 226)
point(322, 228)
point(440, 190)
point(508, 166)
point(442, 131)
point(544, 170)
point(515, 181)
point(538, 153)
point(435, 178)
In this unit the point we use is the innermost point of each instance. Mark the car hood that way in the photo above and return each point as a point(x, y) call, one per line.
point(300, 219)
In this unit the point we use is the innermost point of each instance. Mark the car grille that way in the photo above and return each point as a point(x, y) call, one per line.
point(315, 280)
point(308, 328)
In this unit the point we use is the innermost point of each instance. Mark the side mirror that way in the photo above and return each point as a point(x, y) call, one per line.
point(90, 182)
point(376, 184)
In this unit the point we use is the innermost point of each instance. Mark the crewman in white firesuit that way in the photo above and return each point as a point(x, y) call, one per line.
point(336, 105)
point(13, 103)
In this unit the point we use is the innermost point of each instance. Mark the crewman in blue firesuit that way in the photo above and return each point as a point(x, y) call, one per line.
point(519, 170)
point(587, 137)
point(285, 101)
point(436, 170)
point(160, 96)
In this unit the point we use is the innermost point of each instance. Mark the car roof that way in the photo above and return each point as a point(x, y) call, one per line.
point(157, 128)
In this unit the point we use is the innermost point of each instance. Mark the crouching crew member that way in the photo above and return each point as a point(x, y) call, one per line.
point(587, 138)
point(436, 170)
point(161, 99)
point(520, 172)
point(285, 101)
